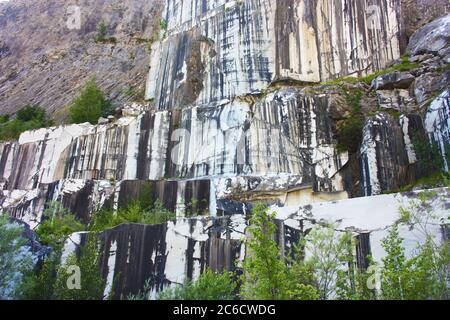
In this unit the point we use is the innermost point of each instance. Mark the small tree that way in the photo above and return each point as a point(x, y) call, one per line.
point(92, 284)
point(329, 254)
point(29, 113)
point(90, 105)
point(395, 270)
point(28, 118)
point(102, 32)
point(58, 223)
point(40, 284)
point(264, 271)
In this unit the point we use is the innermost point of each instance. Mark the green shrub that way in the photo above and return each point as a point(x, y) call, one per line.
point(92, 284)
point(163, 24)
point(350, 134)
point(30, 113)
point(40, 284)
point(106, 219)
point(28, 118)
point(58, 223)
point(422, 277)
point(102, 32)
point(90, 105)
point(4, 118)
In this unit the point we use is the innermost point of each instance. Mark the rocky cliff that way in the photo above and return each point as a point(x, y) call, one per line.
point(306, 106)
point(46, 57)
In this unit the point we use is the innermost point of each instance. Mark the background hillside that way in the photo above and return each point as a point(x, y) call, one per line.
point(44, 62)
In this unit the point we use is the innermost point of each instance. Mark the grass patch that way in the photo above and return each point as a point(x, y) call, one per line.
point(405, 66)
point(432, 181)
point(402, 67)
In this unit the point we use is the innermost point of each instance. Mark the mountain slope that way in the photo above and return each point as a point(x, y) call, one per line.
point(44, 62)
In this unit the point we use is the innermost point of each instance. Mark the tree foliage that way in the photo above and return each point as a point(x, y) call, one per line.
point(90, 105)
point(28, 118)
point(92, 285)
point(58, 223)
point(424, 276)
point(329, 254)
point(264, 271)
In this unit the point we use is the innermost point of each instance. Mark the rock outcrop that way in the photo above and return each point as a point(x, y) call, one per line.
point(432, 38)
point(437, 125)
point(235, 48)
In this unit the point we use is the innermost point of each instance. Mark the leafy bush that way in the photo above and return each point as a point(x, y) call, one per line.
point(4, 118)
point(30, 113)
point(90, 105)
point(350, 134)
point(163, 24)
point(106, 219)
point(40, 284)
point(58, 223)
point(28, 118)
point(329, 252)
point(264, 272)
point(422, 277)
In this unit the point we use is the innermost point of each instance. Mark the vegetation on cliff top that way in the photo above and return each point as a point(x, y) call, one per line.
point(90, 105)
point(28, 118)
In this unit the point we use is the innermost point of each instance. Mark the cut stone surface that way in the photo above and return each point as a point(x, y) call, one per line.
point(431, 38)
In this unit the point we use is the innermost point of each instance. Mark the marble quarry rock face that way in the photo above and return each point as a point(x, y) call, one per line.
point(170, 253)
point(437, 125)
point(81, 197)
point(217, 50)
point(431, 38)
point(399, 99)
point(396, 80)
point(241, 110)
point(286, 132)
point(388, 159)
